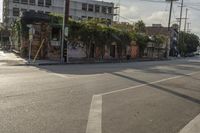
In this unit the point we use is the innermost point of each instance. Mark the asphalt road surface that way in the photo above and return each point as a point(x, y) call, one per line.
point(140, 97)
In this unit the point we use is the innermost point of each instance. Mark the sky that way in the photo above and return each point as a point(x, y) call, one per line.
point(154, 12)
point(1, 8)
point(158, 12)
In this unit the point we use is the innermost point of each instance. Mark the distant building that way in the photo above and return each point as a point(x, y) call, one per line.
point(79, 9)
point(170, 46)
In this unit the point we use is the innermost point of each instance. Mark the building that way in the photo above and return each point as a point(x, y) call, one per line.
point(79, 9)
point(169, 48)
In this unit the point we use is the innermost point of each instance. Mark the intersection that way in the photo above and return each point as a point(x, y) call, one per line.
point(139, 97)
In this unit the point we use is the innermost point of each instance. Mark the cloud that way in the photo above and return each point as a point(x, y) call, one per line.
point(157, 17)
point(130, 12)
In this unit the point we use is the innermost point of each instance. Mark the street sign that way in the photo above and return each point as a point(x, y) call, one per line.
point(31, 32)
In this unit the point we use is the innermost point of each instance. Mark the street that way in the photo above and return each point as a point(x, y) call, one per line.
point(139, 97)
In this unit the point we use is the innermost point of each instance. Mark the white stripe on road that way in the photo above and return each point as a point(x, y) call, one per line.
point(74, 76)
point(142, 85)
point(193, 126)
point(94, 124)
point(94, 118)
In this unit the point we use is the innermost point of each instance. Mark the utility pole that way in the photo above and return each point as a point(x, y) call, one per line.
point(65, 22)
point(186, 17)
point(170, 15)
point(169, 27)
point(180, 37)
point(181, 14)
point(188, 27)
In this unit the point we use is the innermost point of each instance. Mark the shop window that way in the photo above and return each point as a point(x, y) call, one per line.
point(55, 34)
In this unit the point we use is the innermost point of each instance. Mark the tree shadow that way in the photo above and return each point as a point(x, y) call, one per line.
point(189, 98)
point(91, 69)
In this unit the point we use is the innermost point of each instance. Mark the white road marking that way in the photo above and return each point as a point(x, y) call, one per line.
point(150, 83)
point(94, 118)
point(94, 124)
point(193, 126)
point(70, 76)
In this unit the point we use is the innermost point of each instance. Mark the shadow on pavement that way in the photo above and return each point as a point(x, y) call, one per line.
point(189, 98)
point(147, 67)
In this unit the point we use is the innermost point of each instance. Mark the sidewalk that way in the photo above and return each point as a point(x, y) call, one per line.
point(9, 58)
point(73, 62)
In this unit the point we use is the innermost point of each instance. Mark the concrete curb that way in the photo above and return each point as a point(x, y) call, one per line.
point(100, 62)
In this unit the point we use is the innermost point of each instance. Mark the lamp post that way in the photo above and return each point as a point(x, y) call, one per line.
point(65, 21)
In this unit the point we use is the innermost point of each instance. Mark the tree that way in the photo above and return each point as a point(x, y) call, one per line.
point(140, 27)
point(159, 41)
point(142, 41)
point(188, 43)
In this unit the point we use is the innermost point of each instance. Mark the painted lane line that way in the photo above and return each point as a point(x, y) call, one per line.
point(150, 83)
point(193, 126)
point(94, 124)
point(94, 118)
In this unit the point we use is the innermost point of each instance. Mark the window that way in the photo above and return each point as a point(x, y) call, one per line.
point(89, 18)
point(41, 12)
point(84, 7)
point(48, 3)
point(104, 9)
point(91, 8)
point(55, 34)
point(16, 12)
point(23, 10)
point(84, 17)
point(40, 2)
point(47, 12)
point(32, 10)
point(109, 21)
point(97, 8)
point(24, 1)
point(32, 2)
point(15, 1)
point(110, 10)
